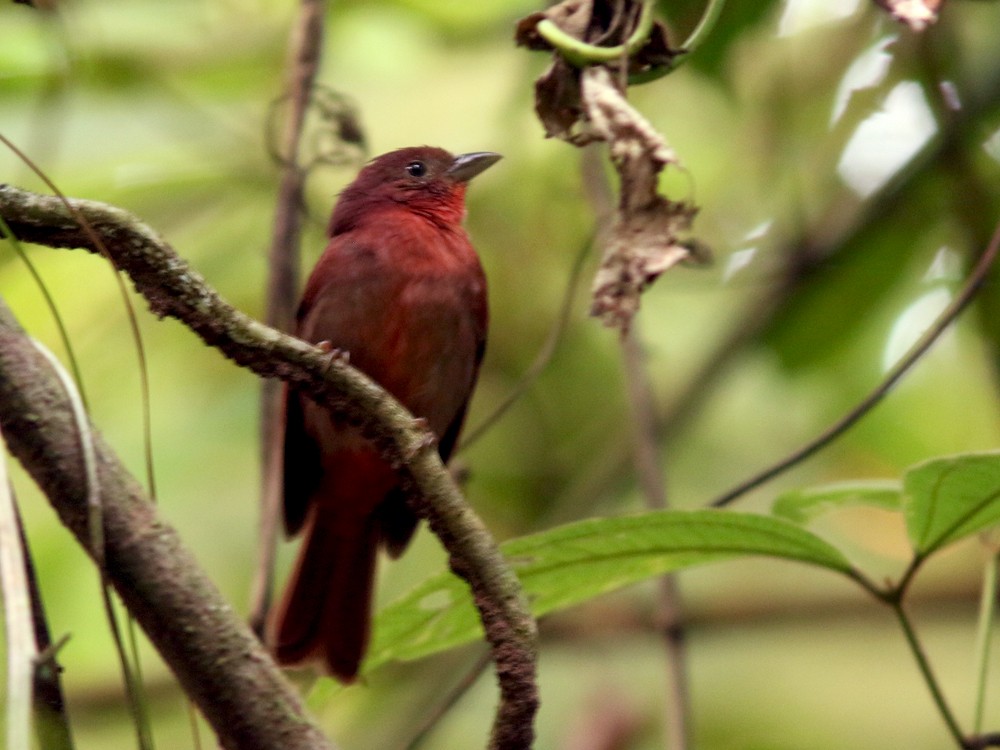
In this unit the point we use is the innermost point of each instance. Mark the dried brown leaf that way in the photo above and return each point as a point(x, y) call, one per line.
point(644, 240)
point(572, 16)
point(557, 102)
point(603, 23)
point(583, 105)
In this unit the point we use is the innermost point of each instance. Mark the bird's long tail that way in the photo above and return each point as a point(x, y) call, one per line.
point(325, 612)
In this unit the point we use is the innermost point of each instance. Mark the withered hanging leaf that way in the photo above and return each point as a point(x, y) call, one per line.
point(582, 105)
point(603, 24)
point(608, 24)
point(557, 102)
point(572, 16)
point(557, 90)
point(640, 248)
point(644, 240)
point(655, 53)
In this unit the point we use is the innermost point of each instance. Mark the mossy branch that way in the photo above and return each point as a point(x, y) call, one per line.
point(173, 289)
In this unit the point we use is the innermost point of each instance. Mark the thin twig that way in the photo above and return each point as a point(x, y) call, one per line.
point(652, 481)
point(701, 31)
point(983, 741)
point(52, 725)
point(133, 320)
point(985, 633)
point(928, 674)
point(50, 303)
point(305, 49)
point(912, 356)
point(449, 701)
point(648, 465)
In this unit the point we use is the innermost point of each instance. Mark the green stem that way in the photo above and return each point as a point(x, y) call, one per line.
point(579, 54)
point(712, 12)
point(908, 575)
point(882, 595)
point(925, 669)
point(987, 616)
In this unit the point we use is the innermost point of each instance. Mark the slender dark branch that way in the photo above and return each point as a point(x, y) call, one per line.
point(651, 477)
point(53, 728)
point(653, 483)
point(283, 260)
point(923, 663)
point(899, 590)
point(982, 741)
point(915, 353)
point(173, 289)
point(283, 283)
point(449, 700)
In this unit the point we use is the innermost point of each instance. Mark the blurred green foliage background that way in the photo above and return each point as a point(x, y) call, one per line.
point(828, 263)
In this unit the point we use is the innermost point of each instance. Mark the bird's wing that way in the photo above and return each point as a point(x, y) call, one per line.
point(417, 330)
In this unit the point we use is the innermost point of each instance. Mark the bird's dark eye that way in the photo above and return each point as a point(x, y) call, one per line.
point(416, 169)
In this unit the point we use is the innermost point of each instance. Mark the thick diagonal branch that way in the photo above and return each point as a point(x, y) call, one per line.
point(220, 663)
point(173, 289)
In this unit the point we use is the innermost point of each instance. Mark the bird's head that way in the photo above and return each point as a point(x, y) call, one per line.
point(427, 180)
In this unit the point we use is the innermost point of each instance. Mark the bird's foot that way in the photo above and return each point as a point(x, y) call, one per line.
point(336, 355)
point(427, 437)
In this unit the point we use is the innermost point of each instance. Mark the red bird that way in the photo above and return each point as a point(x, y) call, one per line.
point(400, 290)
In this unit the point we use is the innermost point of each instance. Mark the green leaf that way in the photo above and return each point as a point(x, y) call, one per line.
point(951, 498)
point(803, 505)
point(579, 561)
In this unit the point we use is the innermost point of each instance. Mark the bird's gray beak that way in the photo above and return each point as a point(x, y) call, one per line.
point(467, 166)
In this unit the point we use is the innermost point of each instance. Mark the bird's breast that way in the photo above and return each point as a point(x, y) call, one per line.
point(408, 305)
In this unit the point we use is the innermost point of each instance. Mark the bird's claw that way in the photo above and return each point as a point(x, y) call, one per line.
point(427, 438)
point(336, 355)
